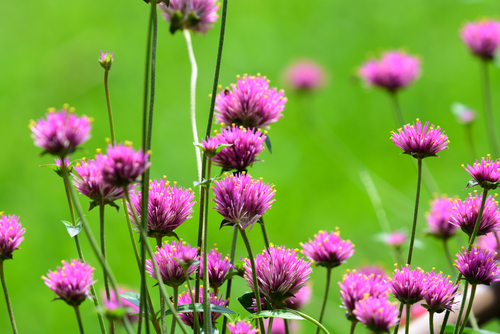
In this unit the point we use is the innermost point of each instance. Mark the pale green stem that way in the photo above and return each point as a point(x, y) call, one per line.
point(264, 233)
point(396, 328)
point(415, 213)
point(431, 322)
point(103, 248)
point(207, 315)
point(470, 141)
point(398, 115)
point(448, 256)
point(176, 301)
point(162, 300)
point(193, 303)
point(488, 109)
point(79, 319)
point(108, 104)
point(461, 311)
point(230, 282)
point(270, 325)
point(407, 322)
point(353, 326)
point(469, 308)
point(287, 329)
point(325, 297)
point(7, 299)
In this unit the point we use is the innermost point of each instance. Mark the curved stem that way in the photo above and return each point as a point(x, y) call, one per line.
point(7, 299)
point(176, 301)
point(415, 213)
point(462, 306)
point(469, 308)
point(448, 256)
point(431, 322)
point(325, 297)
point(79, 319)
point(407, 322)
point(488, 109)
point(398, 115)
point(305, 316)
point(353, 326)
point(230, 282)
point(207, 318)
point(108, 104)
point(396, 328)
point(193, 303)
point(103, 248)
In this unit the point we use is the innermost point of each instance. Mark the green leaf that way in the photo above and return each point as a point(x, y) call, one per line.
point(222, 146)
point(73, 230)
point(246, 301)
point(188, 308)
point(268, 144)
point(471, 183)
point(283, 314)
point(467, 330)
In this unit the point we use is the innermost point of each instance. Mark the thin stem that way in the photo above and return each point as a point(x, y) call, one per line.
point(469, 308)
point(398, 114)
point(461, 311)
point(415, 214)
point(79, 319)
point(470, 140)
point(200, 237)
point(264, 233)
point(193, 303)
point(431, 322)
point(396, 328)
point(192, 109)
point(488, 109)
point(287, 329)
point(353, 326)
point(103, 248)
point(305, 316)
point(230, 282)
point(7, 299)
point(176, 301)
point(207, 319)
point(162, 300)
point(448, 256)
point(108, 104)
point(254, 275)
point(270, 325)
point(407, 321)
point(325, 296)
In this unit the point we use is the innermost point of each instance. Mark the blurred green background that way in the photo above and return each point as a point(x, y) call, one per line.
point(49, 57)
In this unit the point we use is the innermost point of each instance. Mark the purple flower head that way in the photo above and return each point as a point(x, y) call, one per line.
point(408, 286)
point(246, 144)
point(168, 207)
point(113, 303)
point(242, 200)
point(106, 60)
point(478, 266)
point(393, 71)
point(305, 75)
point(420, 141)
point(486, 173)
point(439, 293)
point(279, 326)
point(241, 327)
point(167, 258)
point(88, 180)
point(489, 242)
point(372, 269)
point(188, 318)
point(378, 314)
point(464, 214)
point(11, 235)
point(218, 267)
point(396, 239)
point(250, 103)
point(482, 38)
point(196, 15)
point(71, 282)
point(211, 146)
point(280, 273)
point(355, 286)
point(438, 219)
point(328, 249)
point(58, 162)
point(61, 132)
point(463, 114)
point(300, 299)
point(122, 165)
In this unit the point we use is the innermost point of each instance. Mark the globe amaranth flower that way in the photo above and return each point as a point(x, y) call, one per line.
point(463, 114)
point(122, 165)
point(106, 60)
point(242, 200)
point(305, 75)
point(196, 15)
point(420, 141)
point(438, 219)
point(478, 266)
point(464, 214)
point(486, 173)
point(355, 286)
point(482, 38)
point(408, 286)
point(113, 303)
point(393, 71)
point(372, 269)
point(378, 314)
point(490, 242)
point(167, 258)
point(300, 299)
point(280, 273)
point(246, 144)
point(11, 235)
point(168, 207)
point(250, 103)
point(241, 327)
point(61, 131)
point(395, 239)
point(188, 318)
point(328, 249)
point(439, 292)
point(71, 282)
point(279, 326)
point(218, 267)
point(211, 145)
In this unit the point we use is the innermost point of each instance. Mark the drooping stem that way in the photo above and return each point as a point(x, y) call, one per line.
point(415, 213)
point(176, 301)
point(7, 299)
point(270, 325)
point(353, 326)
point(462, 306)
point(469, 308)
point(488, 109)
point(103, 248)
point(108, 104)
point(79, 319)
point(398, 114)
point(230, 282)
point(207, 318)
point(407, 321)
point(396, 328)
point(431, 322)
point(448, 256)
point(470, 140)
point(325, 297)
point(193, 303)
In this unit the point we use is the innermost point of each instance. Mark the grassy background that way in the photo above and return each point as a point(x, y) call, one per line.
point(49, 57)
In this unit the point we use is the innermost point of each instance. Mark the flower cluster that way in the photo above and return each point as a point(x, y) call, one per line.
point(482, 38)
point(218, 267)
point(478, 266)
point(438, 219)
point(328, 249)
point(197, 15)
point(486, 173)
point(122, 165)
point(464, 214)
point(188, 318)
point(408, 286)
point(250, 103)
point(305, 75)
point(11, 235)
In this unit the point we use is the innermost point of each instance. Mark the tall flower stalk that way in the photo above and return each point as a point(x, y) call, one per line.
point(7, 299)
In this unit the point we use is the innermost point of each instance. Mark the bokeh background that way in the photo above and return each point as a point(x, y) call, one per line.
point(320, 146)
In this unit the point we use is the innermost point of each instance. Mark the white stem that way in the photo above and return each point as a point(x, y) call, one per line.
point(194, 75)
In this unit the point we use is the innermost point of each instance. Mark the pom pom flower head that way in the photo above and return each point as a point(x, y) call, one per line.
point(218, 267)
point(328, 249)
point(378, 314)
point(71, 282)
point(420, 141)
point(106, 60)
point(61, 131)
point(195, 15)
point(439, 293)
point(393, 71)
point(122, 165)
point(438, 219)
point(188, 318)
point(11, 235)
point(478, 266)
point(250, 103)
point(305, 75)
point(168, 207)
point(485, 173)
point(482, 38)
point(300, 298)
point(408, 286)
point(280, 273)
point(241, 327)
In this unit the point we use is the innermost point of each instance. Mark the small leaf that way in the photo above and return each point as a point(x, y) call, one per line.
point(247, 301)
point(283, 314)
point(188, 308)
point(133, 297)
point(173, 234)
point(225, 222)
point(73, 230)
point(93, 204)
point(471, 183)
point(268, 144)
point(220, 147)
point(112, 204)
point(204, 183)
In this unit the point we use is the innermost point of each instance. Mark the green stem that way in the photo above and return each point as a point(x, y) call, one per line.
point(407, 322)
point(254, 276)
point(305, 316)
point(396, 328)
point(7, 299)
point(264, 233)
point(431, 322)
point(200, 234)
point(287, 329)
point(462, 306)
point(469, 308)
point(488, 109)
point(448, 256)
point(108, 104)
point(325, 297)
point(79, 319)
point(103, 248)
point(176, 301)
point(207, 318)
point(353, 326)
point(193, 303)
point(270, 325)
point(162, 300)
point(470, 141)
point(415, 214)
point(398, 115)
point(230, 282)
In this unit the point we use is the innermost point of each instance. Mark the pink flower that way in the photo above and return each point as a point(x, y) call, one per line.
point(486, 173)
point(489, 242)
point(328, 249)
point(188, 318)
point(113, 303)
point(106, 60)
point(305, 75)
point(439, 293)
point(218, 267)
point(478, 266)
point(408, 286)
point(464, 214)
point(300, 299)
point(395, 239)
point(241, 327)
point(378, 314)
point(438, 219)
point(482, 38)
point(122, 165)
point(196, 15)
point(11, 235)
